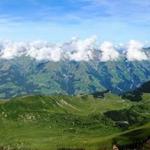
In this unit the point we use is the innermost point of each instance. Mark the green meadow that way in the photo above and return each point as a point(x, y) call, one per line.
point(72, 122)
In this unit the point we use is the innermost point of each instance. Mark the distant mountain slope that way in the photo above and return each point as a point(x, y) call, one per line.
point(24, 75)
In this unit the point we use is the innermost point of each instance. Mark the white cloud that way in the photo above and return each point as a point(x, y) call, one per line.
point(10, 50)
point(44, 51)
point(79, 50)
point(76, 49)
point(134, 51)
point(109, 53)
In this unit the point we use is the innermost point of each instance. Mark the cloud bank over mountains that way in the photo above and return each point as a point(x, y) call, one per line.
point(76, 49)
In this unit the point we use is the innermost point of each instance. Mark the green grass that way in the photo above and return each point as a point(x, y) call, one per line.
point(42, 136)
point(53, 122)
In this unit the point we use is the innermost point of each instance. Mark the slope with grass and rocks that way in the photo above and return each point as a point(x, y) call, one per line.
point(88, 122)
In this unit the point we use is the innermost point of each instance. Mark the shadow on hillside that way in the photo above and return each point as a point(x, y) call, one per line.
point(135, 144)
point(70, 149)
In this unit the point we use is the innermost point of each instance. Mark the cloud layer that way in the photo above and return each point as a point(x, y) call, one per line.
point(76, 49)
point(134, 51)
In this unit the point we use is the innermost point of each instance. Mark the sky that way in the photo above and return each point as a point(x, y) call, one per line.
point(59, 20)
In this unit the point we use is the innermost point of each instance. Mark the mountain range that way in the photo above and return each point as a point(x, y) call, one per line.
point(25, 75)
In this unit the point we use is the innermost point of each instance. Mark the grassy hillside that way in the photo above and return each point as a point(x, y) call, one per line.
point(57, 122)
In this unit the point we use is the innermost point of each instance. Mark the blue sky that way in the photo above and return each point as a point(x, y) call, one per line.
point(59, 20)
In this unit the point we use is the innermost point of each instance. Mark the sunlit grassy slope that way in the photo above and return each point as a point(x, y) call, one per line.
point(55, 122)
